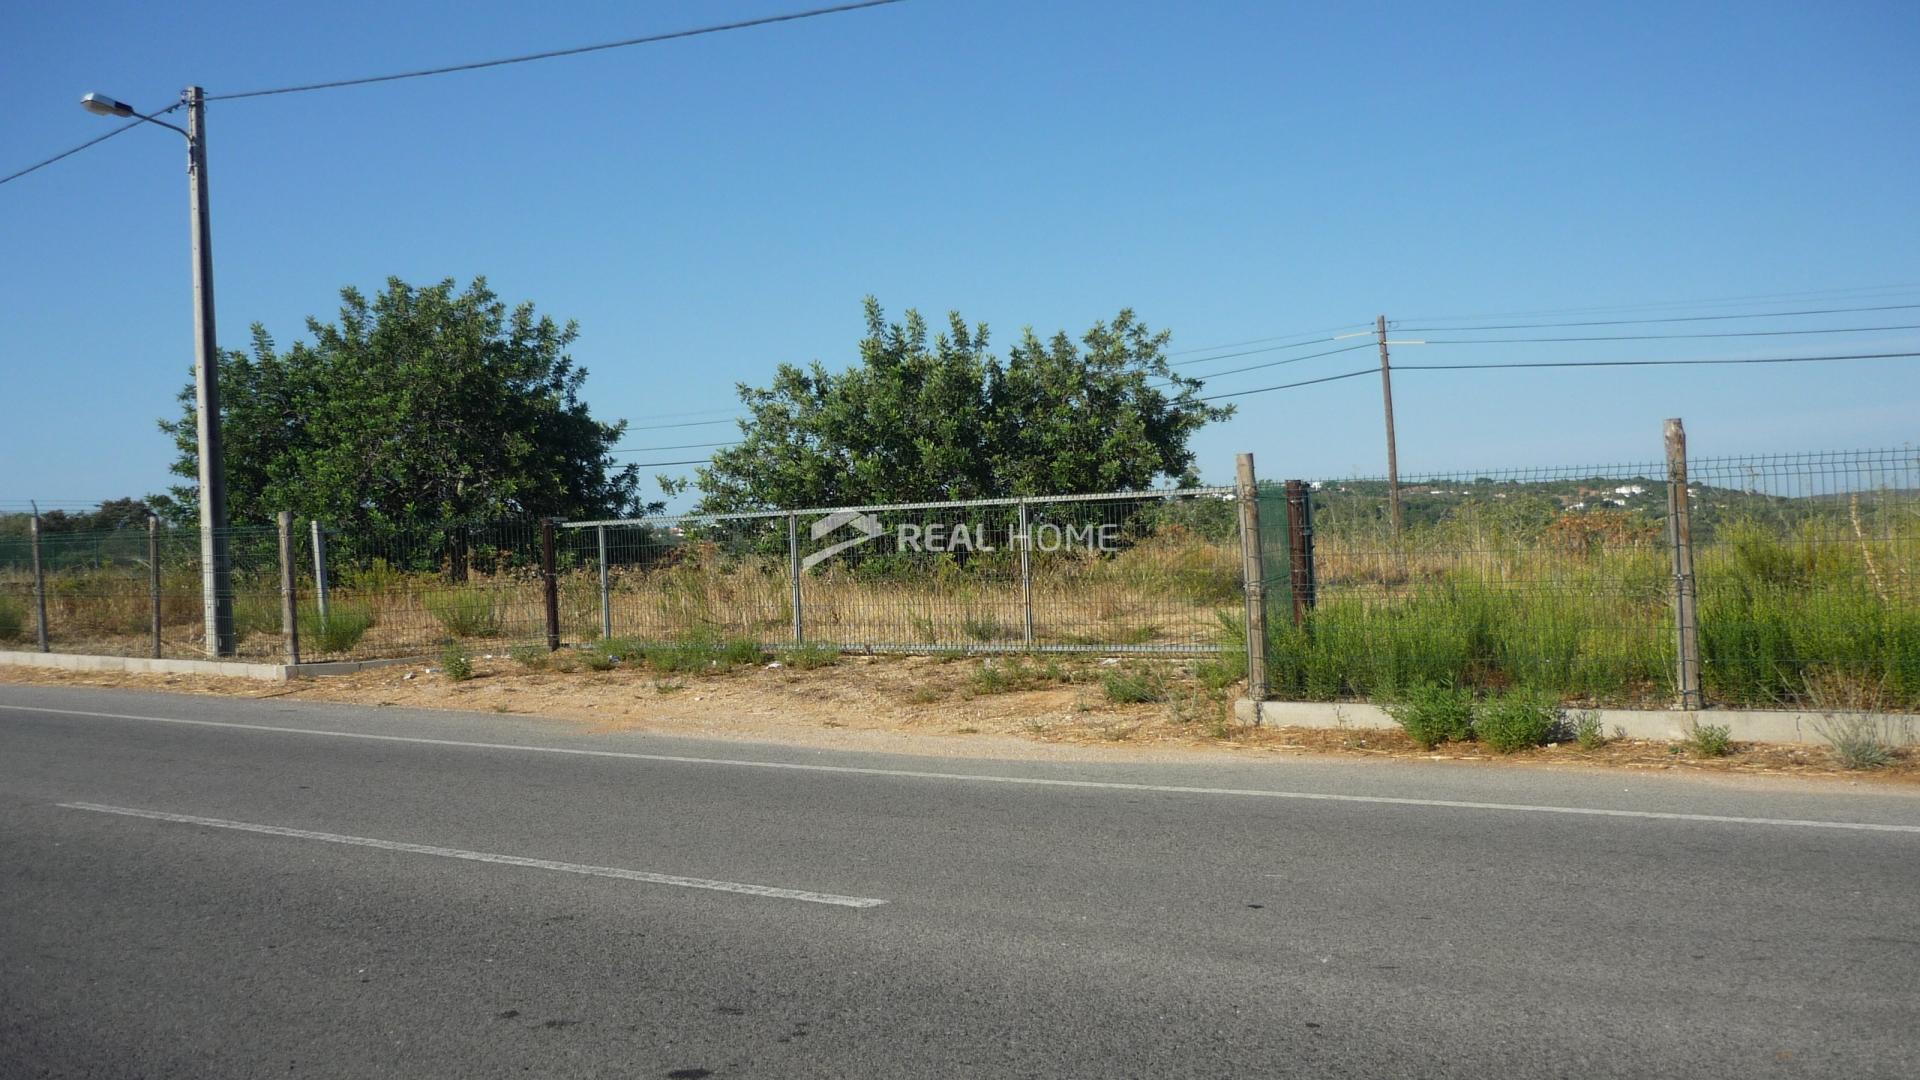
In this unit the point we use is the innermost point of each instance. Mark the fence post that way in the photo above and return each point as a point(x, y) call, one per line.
point(39, 583)
point(320, 591)
point(1300, 548)
point(153, 576)
point(1247, 496)
point(606, 591)
point(289, 606)
point(1026, 576)
point(550, 582)
point(1680, 537)
point(794, 572)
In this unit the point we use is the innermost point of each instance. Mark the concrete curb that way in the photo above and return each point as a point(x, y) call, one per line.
point(141, 665)
point(1744, 725)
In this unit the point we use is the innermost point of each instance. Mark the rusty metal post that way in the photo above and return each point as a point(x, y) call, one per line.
point(289, 602)
point(1680, 538)
point(39, 583)
point(153, 577)
point(1300, 549)
point(550, 582)
point(1252, 573)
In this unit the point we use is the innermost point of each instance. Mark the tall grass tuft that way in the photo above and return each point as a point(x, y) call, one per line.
point(1516, 720)
point(1432, 713)
point(339, 631)
point(13, 619)
point(466, 613)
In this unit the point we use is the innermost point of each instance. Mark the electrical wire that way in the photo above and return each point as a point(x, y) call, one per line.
point(1568, 364)
point(1253, 352)
point(677, 446)
point(660, 464)
point(553, 53)
point(1291, 385)
point(1668, 337)
point(1859, 292)
point(1288, 360)
point(1262, 340)
point(1669, 319)
point(694, 423)
point(122, 129)
point(1652, 363)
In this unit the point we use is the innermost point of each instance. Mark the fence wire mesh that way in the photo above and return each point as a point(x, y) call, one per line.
point(1564, 579)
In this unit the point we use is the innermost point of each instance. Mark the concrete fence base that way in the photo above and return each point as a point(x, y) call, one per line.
point(233, 669)
point(1744, 725)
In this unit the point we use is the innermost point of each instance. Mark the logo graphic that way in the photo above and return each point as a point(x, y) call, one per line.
point(867, 525)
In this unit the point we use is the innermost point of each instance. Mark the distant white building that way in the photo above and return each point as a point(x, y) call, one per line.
point(1630, 489)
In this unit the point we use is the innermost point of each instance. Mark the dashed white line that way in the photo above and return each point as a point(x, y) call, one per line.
point(990, 778)
point(621, 873)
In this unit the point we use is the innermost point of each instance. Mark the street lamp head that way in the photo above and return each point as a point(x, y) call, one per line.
point(102, 105)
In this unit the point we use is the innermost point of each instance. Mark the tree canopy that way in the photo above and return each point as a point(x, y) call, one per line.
point(421, 405)
point(920, 420)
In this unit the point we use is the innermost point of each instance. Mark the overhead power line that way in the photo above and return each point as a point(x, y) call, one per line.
point(661, 464)
point(690, 423)
point(1288, 360)
point(1263, 340)
point(96, 141)
point(555, 53)
point(1668, 319)
point(1667, 337)
point(1653, 363)
point(1568, 364)
point(1860, 292)
point(676, 446)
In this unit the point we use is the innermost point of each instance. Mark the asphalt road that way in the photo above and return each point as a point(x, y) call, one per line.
point(478, 895)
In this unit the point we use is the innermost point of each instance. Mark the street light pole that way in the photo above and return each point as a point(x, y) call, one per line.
point(216, 570)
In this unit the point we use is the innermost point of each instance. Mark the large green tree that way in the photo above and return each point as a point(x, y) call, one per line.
point(923, 420)
point(419, 406)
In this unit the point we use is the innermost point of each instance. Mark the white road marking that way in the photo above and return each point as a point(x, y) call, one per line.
point(988, 778)
point(488, 857)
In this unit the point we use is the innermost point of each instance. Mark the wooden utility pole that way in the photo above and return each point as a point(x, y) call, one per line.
point(1686, 620)
point(1246, 495)
point(1393, 457)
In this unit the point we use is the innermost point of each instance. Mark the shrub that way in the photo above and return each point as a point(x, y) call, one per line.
point(455, 662)
point(1588, 731)
point(13, 619)
point(1864, 739)
point(1432, 714)
point(531, 657)
point(1134, 686)
point(467, 613)
point(1708, 740)
point(339, 631)
point(1516, 720)
point(702, 653)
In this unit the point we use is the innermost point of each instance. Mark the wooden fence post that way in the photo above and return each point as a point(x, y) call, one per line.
point(1300, 548)
point(289, 604)
point(550, 581)
point(39, 583)
point(1253, 574)
point(1680, 538)
point(153, 577)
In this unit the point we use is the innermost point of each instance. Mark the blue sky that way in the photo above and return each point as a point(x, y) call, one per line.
point(711, 207)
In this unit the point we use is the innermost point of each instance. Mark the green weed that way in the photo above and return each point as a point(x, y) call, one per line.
point(455, 663)
point(1432, 713)
point(342, 628)
point(1516, 720)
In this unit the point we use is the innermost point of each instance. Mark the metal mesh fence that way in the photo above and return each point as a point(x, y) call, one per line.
point(1131, 572)
point(1806, 570)
point(1564, 579)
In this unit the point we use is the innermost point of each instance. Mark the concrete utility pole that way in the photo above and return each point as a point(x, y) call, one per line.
point(216, 572)
point(1393, 458)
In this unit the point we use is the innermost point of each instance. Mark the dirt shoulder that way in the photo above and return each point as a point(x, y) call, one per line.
point(943, 707)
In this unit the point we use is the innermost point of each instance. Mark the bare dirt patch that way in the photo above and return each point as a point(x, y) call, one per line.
point(947, 706)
